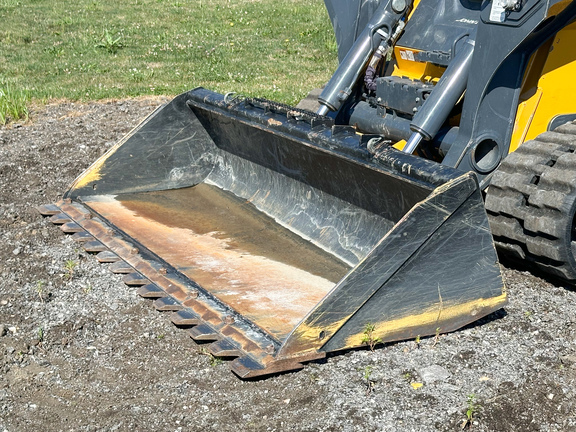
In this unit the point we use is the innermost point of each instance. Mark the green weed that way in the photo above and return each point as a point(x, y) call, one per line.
point(214, 360)
point(368, 380)
point(41, 290)
point(109, 43)
point(69, 268)
point(472, 410)
point(12, 103)
point(369, 338)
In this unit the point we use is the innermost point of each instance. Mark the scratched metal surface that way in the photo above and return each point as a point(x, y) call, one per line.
point(258, 268)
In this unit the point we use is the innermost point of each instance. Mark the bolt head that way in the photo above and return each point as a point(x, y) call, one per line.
point(398, 6)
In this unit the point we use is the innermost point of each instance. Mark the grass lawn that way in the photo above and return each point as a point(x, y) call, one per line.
point(89, 49)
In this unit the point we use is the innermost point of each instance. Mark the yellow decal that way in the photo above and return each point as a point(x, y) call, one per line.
point(431, 318)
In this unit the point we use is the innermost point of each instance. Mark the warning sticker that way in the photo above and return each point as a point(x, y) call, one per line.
point(407, 55)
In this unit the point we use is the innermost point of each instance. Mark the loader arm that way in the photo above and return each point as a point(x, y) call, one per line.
point(469, 131)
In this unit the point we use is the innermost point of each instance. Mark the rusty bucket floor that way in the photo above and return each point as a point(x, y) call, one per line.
point(244, 258)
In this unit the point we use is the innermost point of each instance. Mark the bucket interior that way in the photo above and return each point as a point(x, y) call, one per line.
point(241, 256)
point(275, 223)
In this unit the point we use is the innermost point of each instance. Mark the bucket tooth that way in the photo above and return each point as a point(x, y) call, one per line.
point(108, 257)
point(135, 279)
point(121, 267)
point(94, 246)
point(246, 367)
point(203, 332)
point(167, 304)
point(224, 348)
point(48, 209)
point(82, 236)
point(59, 219)
point(151, 291)
point(71, 228)
point(185, 318)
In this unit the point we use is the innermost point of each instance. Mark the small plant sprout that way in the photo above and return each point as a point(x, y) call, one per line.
point(472, 409)
point(40, 334)
point(109, 43)
point(69, 267)
point(368, 380)
point(369, 338)
point(436, 337)
point(214, 361)
point(417, 341)
point(41, 290)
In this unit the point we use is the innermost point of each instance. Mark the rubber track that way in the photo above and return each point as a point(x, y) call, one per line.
point(531, 203)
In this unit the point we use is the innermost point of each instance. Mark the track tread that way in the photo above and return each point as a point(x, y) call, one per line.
point(531, 203)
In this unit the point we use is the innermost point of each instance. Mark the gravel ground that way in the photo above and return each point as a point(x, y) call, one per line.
point(80, 351)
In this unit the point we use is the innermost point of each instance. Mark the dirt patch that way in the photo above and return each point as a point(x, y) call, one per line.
point(80, 351)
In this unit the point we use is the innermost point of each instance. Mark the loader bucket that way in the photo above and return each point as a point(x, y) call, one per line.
point(277, 237)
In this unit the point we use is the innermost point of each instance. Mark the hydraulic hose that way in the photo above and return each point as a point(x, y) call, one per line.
point(380, 26)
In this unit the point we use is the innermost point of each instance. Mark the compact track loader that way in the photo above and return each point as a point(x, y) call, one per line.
point(278, 234)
